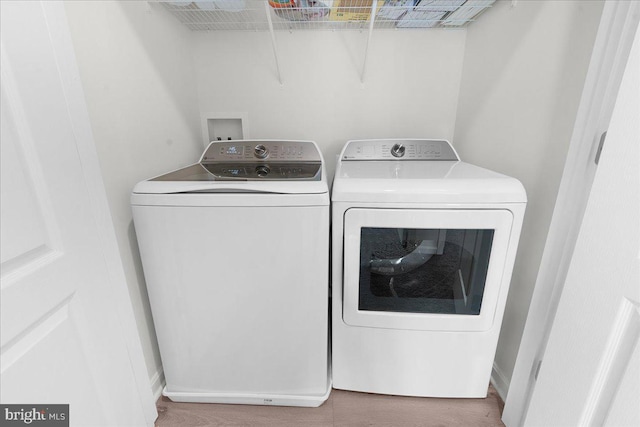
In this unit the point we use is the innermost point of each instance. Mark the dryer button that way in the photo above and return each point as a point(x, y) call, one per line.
point(397, 150)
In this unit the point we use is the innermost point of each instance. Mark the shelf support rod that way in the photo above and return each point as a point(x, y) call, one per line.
point(374, 7)
point(273, 40)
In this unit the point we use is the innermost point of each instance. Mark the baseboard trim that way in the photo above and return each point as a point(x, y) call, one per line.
point(499, 382)
point(308, 401)
point(157, 384)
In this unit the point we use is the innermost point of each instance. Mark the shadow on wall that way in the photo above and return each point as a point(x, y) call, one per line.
point(522, 80)
point(493, 65)
point(166, 53)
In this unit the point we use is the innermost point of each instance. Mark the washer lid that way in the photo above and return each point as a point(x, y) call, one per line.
point(275, 187)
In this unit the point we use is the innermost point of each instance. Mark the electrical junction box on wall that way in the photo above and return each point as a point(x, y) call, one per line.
point(224, 126)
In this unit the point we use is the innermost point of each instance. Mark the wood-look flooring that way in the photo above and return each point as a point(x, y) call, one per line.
point(344, 409)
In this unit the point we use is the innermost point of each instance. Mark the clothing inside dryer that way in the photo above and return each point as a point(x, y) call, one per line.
point(423, 270)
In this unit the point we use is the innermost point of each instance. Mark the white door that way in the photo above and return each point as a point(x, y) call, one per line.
point(64, 338)
point(590, 372)
point(424, 269)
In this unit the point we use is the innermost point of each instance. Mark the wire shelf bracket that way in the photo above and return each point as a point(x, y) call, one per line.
point(374, 7)
point(273, 40)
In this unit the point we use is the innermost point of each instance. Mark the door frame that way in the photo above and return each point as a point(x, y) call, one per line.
point(99, 207)
point(614, 39)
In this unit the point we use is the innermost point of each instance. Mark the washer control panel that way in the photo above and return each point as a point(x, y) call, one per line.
point(262, 160)
point(264, 171)
point(399, 149)
point(256, 150)
point(260, 151)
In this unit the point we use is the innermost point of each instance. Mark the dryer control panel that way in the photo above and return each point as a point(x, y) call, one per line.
point(399, 149)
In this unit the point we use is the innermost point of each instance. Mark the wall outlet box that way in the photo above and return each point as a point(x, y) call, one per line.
point(224, 126)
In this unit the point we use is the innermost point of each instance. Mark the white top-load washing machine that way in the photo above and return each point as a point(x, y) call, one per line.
point(235, 251)
point(423, 250)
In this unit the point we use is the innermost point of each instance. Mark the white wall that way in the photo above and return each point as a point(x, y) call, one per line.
point(524, 69)
point(410, 89)
point(505, 91)
point(145, 94)
point(136, 68)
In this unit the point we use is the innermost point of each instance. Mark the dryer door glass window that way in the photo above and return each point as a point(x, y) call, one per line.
point(424, 269)
point(415, 270)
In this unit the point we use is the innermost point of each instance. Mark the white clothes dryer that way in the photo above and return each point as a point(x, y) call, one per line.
point(423, 249)
point(235, 251)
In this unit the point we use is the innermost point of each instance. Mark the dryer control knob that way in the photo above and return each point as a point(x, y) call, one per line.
point(260, 151)
point(397, 150)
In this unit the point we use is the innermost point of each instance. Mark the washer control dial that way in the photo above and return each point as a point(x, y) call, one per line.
point(260, 151)
point(398, 150)
point(263, 171)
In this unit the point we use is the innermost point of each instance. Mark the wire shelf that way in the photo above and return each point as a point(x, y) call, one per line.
point(252, 15)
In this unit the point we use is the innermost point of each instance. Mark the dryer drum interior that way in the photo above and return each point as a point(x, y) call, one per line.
point(423, 270)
